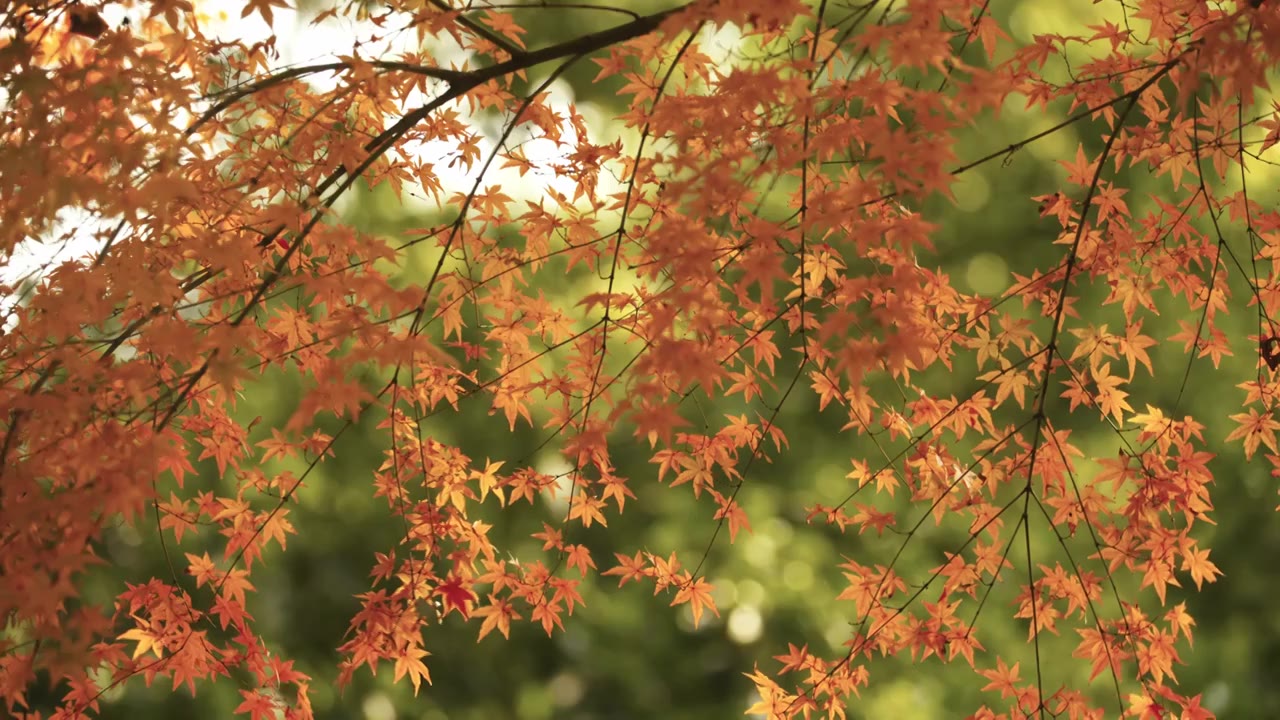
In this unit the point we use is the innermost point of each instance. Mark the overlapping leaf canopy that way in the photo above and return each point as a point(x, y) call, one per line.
point(752, 228)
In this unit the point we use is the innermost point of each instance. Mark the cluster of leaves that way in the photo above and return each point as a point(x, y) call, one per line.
point(743, 233)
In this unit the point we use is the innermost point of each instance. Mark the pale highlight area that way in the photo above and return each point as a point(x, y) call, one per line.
point(74, 236)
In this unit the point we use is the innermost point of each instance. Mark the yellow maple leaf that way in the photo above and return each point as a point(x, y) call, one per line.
point(410, 662)
point(146, 641)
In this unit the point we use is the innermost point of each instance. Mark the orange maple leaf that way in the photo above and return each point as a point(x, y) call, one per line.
point(698, 594)
point(263, 8)
point(409, 662)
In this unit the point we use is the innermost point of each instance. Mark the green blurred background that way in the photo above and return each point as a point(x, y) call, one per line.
point(626, 654)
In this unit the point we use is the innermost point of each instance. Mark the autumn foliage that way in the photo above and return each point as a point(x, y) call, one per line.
point(757, 225)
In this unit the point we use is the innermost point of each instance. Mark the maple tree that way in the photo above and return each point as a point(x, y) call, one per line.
point(757, 225)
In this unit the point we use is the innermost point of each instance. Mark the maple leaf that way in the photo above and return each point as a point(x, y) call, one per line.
point(578, 556)
point(733, 513)
point(455, 596)
point(587, 509)
point(257, 705)
point(549, 615)
point(1108, 201)
point(229, 612)
point(201, 567)
point(263, 8)
point(1003, 678)
point(629, 568)
point(868, 516)
point(1110, 398)
point(228, 372)
point(409, 662)
point(1009, 382)
point(497, 615)
point(885, 478)
point(170, 9)
point(616, 488)
point(147, 641)
point(1201, 568)
point(794, 659)
point(552, 539)
point(990, 33)
point(1080, 171)
point(697, 593)
point(1158, 656)
point(1144, 706)
point(488, 480)
point(277, 527)
point(773, 703)
point(696, 471)
point(1159, 575)
point(1192, 710)
point(1133, 347)
point(234, 585)
point(1180, 622)
point(175, 516)
point(1255, 428)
